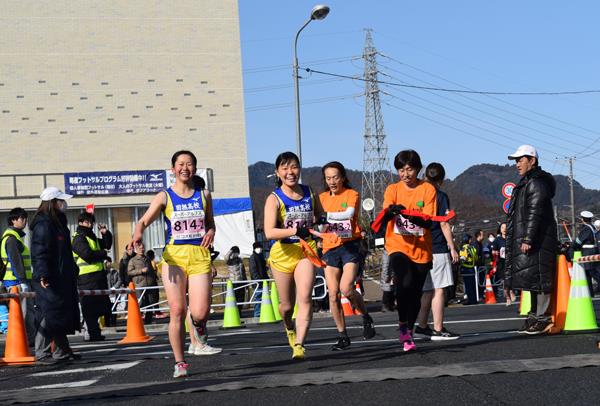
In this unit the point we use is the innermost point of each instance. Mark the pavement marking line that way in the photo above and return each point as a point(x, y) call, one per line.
point(116, 367)
point(371, 341)
point(104, 344)
point(121, 348)
point(77, 384)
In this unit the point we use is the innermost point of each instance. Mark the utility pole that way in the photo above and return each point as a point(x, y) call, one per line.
point(376, 175)
point(574, 228)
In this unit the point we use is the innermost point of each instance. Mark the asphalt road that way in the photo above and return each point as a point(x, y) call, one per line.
point(489, 364)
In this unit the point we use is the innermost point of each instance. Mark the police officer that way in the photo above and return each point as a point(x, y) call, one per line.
point(587, 243)
point(90, 253)
point(15, 255)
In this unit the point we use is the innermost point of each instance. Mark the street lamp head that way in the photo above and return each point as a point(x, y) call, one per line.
point(319, 12)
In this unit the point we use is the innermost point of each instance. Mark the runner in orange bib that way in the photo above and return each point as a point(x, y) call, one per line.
point(341, 249)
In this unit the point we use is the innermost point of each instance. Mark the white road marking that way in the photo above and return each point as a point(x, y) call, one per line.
point(115, 367)
point(77, 384)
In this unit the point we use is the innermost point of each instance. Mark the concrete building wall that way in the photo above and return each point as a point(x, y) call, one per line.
point(91, 86)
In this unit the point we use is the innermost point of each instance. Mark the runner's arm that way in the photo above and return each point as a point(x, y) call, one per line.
point(270, 223)
point(156, 206)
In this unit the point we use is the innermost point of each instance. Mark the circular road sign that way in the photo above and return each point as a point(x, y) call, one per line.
point(507, 189)
point(506, 205)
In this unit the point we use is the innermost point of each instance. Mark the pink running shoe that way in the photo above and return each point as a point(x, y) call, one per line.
point(409, 345)
point(405, 336)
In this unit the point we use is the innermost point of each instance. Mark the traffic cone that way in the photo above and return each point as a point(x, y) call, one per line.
point(231, 317)
point(525, 305)
point(580, 310)
point(490, 298)
point(560, 297)
point(16, 350)
point(355, 309)
point(135, 325)
point(275, 301)
point(346, 306)
point(266, 307)
point(295, 311)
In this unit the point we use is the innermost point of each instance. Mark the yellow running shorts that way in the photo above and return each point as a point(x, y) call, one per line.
point(192, 259)
point(285, 257)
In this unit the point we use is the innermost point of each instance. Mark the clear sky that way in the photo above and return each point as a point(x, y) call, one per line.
point(506, 46)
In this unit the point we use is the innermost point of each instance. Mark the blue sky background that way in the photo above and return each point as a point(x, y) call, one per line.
point(512, 46)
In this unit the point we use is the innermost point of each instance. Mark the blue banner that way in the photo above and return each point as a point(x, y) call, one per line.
point(115, 183)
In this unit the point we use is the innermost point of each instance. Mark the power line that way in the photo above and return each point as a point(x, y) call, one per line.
point(442, 89)
point(310, 101)
point(271, 68)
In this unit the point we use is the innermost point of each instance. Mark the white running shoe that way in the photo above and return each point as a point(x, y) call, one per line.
point(180, 370)
point(205, 349)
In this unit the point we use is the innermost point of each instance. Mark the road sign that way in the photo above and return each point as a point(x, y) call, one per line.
point(507, 189)
point(506, 205)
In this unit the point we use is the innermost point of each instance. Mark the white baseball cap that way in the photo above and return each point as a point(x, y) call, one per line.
point(524, 150)
point(597, 224)
point(53, 192)
point(586, 214)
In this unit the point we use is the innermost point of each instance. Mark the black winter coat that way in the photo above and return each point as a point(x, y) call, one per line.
point(531, 220)
point(52, 258)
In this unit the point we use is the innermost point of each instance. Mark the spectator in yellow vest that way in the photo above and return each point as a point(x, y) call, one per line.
point(89, 253)
point(16, 257)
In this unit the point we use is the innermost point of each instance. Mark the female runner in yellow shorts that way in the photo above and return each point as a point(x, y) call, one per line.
point(186, 258)
point(289, 213)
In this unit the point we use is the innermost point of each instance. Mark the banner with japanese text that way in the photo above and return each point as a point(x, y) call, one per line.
point(115, 183)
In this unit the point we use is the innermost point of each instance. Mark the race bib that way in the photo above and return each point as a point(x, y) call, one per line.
point(188, 224)
point(298, 219)
point(404, 226)
point(342, 228)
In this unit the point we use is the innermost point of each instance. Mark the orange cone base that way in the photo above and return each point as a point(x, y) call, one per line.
point(134, 340)
point(17, 361)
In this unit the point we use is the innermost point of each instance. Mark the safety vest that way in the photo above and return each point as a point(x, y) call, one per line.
point(84, 267)
point(10, 276)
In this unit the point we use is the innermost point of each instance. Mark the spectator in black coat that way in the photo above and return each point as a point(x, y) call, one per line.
point(531, 238)
point(54, 279)
point(258, 271)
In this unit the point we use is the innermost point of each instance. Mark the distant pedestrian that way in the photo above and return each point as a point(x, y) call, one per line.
point(587, 243)
point(54, 279)
point(143, 275)
point(237, 273)
point(499, 255)
point(531, 238)
point(468, 269)
point(258, 271)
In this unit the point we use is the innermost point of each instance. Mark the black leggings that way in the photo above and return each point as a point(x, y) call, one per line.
point(409, 278)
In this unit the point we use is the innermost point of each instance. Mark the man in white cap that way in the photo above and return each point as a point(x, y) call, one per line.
point(531, 238)
point(587, 243)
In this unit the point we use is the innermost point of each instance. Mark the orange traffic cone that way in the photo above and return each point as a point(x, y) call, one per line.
point(16, 350)
point(347, 307)
point(357, 288)
point(490, 298)
point(135, 326)
point(560, 296)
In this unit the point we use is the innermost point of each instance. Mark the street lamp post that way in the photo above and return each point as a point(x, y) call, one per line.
point(318, 12)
